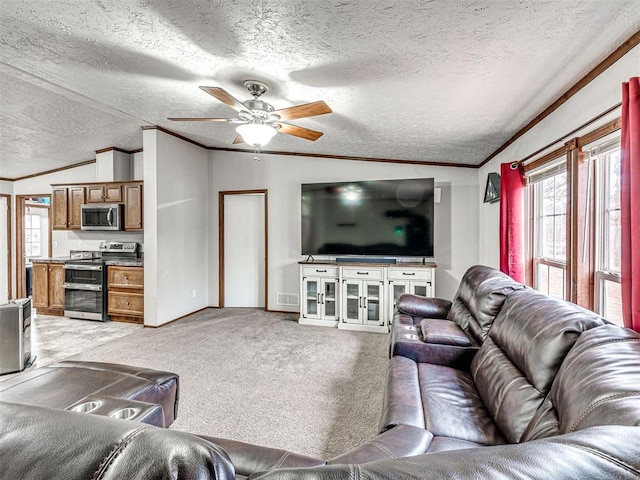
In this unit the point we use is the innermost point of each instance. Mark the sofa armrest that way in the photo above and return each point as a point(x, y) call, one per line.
point(425, 307)
point(399, 441)
point(37, 442)
point(248, 458)
point(599, 452)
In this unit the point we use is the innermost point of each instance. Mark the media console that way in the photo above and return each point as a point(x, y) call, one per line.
point(359, 296)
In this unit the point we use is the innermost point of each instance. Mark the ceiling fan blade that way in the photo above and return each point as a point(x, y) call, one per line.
point(225, 97)
point(301, 132)
point(238, 139)
point(301, 111)
point(202, 119)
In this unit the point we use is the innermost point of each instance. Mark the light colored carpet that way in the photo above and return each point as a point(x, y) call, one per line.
point(262, 378)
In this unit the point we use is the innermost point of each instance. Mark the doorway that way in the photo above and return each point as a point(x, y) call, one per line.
point(5, 247)
point(33, 237)
point(243, 249)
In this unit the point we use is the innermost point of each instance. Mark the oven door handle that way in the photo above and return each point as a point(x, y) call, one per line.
point(82, 286)
point(93, 268)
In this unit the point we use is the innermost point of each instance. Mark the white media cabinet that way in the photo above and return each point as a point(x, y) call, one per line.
point(359, 296)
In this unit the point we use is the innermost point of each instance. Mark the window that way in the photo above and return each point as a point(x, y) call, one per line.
point(549, 235)
point(608, 302)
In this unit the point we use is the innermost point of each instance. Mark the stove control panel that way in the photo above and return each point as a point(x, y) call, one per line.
point(126, 247)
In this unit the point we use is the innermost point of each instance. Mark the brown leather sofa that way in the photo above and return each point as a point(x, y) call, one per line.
point(435, 330)
point(552, 392)
point(122, 391)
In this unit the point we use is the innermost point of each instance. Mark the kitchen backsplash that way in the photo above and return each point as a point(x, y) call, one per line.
point(63, 241)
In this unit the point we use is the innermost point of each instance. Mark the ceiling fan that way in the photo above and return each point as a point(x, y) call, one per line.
point(259, 121)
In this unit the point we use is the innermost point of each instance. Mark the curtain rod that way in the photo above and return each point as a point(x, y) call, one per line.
point(516, 164)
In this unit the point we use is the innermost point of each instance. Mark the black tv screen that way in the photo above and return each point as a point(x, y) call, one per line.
point(380, 217)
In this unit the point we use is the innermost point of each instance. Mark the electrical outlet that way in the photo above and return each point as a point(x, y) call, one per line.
point(55, 244)
point(80, 244)
point(193, 294)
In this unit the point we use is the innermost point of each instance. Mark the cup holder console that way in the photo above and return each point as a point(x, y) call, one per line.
point(411, 336)
point(125, 413)
point(85, 407)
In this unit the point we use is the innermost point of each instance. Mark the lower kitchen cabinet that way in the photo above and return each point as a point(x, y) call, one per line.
point(125, 293)
point(48, 288)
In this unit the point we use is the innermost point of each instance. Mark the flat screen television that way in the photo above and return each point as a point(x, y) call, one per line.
point(380, 217)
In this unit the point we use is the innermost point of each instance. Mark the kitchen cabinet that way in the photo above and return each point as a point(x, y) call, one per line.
point(66, 207)
point(48, 288)
point(125, 293)
point(67, 201)
point(319, 295)
point(60, 209)
point(107, 193)
point(133, 206)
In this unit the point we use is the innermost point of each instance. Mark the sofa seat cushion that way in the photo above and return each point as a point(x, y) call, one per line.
point(441, 399)
point(444, 332)
point(452, 406)
point(63, 384)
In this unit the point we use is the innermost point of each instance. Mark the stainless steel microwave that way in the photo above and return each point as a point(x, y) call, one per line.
point(101, 216)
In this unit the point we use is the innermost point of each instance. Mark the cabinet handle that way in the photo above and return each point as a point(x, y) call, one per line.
point(320, 271)
point(318, 297)
point(407, 273)
point(362, 273)
point(359, 302)
point(322, 299)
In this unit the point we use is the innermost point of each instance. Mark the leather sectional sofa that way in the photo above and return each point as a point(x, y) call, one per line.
point(540, 389)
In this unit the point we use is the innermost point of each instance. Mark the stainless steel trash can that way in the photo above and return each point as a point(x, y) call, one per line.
point(15, 335)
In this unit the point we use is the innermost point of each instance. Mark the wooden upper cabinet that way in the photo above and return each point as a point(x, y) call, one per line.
point(104, 193)
point(75, 197)
point(133, 206)
point(60, 211)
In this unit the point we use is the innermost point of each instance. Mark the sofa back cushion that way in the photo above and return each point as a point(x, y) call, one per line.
point(515, 367)
point(597, 384)
point(480, 296)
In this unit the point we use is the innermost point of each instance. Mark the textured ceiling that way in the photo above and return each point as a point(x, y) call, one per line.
point(438, 81)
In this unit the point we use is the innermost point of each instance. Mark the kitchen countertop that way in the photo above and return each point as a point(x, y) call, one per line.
point(138, 262)
point(50, 259)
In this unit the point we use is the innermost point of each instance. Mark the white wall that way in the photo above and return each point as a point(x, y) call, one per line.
point(456, 216)
point(602, 93)
point(176, 231)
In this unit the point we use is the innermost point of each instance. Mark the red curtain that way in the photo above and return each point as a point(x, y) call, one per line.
point(512, 220)
point(630, 206)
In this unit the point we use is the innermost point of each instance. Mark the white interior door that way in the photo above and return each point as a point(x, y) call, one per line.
point(4, 250)
point(244, 250)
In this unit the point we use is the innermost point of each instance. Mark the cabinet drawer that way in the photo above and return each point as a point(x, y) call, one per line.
point(410, 274)
point(126, 303)
point(125, 277)
point(363, 273)
point(320, 270)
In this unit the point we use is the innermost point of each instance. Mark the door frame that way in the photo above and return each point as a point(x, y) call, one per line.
point(20, 263)
point(221, 197)
point(9, 284)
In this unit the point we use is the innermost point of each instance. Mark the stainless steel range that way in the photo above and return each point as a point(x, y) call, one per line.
point(85, 285)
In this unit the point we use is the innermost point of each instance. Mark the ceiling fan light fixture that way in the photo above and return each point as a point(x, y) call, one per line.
point(256, 134)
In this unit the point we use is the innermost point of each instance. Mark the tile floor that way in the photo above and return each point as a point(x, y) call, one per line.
point(56, 338)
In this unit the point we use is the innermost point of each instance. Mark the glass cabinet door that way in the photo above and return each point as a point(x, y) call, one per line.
point(352, 301)
point(373, 303)
point(311, 297)
point(329, 299)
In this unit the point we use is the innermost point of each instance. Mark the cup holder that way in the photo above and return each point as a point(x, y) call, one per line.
point(125, 413)
point(411, 336)
point(411, 328)
point(85, 407)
